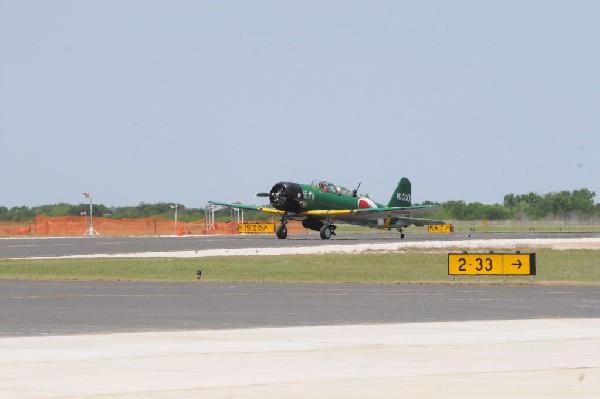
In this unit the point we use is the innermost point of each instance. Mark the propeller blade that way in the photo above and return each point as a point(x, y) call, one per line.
point(262, 194)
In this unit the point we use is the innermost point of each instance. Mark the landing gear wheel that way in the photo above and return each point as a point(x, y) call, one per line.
point(281, 232)
point(401, 233)
point(325, 232)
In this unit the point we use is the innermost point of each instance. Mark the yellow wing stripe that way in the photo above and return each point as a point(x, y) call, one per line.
point(271, 210)
point(330, 212)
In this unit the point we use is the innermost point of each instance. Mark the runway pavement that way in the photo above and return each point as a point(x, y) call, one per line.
point(224, 245)
point(189, 340)
point(30, 308)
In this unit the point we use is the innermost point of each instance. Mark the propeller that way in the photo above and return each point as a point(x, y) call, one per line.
point(262, 194)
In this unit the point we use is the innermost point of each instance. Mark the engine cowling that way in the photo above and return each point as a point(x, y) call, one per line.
point(286, 196)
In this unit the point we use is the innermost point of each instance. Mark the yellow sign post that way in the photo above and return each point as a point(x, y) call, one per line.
point(477, 264)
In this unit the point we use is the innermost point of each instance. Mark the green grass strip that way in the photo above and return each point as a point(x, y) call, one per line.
point(561, 267)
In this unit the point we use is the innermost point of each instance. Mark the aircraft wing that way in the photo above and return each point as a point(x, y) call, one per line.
point(402, 213)
point(353, 216)
point(293, 216)
point(249, 207)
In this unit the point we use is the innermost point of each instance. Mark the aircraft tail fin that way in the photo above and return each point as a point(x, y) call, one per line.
point(401, 196)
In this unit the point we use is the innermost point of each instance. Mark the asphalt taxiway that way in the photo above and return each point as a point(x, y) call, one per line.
point(30, 308)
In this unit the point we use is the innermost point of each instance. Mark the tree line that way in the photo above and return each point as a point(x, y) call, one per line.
point(531, 206)
point(141, 211)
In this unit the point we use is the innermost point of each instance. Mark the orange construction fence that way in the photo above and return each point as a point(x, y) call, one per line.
point(80, 225)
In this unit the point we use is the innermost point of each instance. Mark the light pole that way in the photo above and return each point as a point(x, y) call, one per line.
point(90, 231)
point(174, 206)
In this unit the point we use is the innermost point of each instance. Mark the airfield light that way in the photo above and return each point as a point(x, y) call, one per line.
point(90, 231)
point(174, 206)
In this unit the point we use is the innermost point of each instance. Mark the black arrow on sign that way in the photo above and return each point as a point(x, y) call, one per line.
point(518, 264)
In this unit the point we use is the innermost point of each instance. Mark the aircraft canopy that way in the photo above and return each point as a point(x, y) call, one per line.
point(329, 187)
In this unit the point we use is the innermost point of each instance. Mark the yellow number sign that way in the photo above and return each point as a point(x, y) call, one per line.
point(440, 228)
point(256, 228)
point(492, 264)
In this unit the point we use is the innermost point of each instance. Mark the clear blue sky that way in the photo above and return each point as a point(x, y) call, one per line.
point(190, 101)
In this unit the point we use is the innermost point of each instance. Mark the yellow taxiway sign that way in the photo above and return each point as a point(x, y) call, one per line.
point(256, 228)
point(491, 264)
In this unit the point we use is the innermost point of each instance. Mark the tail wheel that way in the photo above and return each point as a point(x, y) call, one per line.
point(281, 232)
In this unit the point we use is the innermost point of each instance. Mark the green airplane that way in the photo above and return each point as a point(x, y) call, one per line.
point(321, 204)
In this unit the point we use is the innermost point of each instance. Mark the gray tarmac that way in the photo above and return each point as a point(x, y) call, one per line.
point(34, 308)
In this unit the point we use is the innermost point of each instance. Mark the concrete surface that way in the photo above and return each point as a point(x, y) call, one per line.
point(549, 358)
